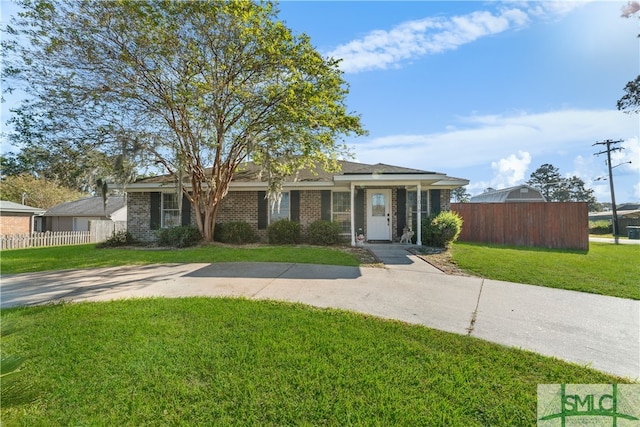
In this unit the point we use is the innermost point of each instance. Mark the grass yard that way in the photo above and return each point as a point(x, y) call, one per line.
point(606, 269)
point(87, 256)
point(202, 361)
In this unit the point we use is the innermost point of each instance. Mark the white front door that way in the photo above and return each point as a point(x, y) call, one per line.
point(379, 214)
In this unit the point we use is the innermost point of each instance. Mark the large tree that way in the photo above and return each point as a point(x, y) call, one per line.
point(196, 87)
point(547, 179)
point(556, 188)
point(36, 192)
point(630, 101)
point(461, 195)
point(75, 163)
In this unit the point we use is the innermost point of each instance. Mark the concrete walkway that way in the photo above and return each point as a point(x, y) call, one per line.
point(612, 240)
point(601, 331)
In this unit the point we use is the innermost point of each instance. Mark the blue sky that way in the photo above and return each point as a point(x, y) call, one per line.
point(483, 90)
point(487, 91)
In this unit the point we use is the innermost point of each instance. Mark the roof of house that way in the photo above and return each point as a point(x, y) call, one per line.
point(7, 206)
point(90, 206)
point(250, 173)
point(519, 193)
point(623, 213)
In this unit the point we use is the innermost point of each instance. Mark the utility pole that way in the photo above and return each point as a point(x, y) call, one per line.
point(608, 151)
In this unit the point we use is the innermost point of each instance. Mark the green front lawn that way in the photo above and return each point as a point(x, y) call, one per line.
point(206, 361)
point(87, 256)
point(605, 269)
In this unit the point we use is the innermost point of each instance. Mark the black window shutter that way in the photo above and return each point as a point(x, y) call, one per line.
point(186, 210)
point(402, 211)
point(358, 210)
point(434, 196)
point(156, 200)
point(294, 205)
point(325, 205)
point(263, 214)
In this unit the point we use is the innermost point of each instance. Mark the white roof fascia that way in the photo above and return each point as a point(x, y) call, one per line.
point(433, 181)
point(367, 177)
point(451, 183)
point(236, 186)
point(32, 211)
point(316, 185)
point(146, 186)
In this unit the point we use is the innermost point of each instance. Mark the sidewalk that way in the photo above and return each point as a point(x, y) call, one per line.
point(601, 331)
point(621, 241)
point(612, 240)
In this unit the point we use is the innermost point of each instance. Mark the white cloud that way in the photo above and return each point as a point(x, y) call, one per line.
point(479, 140)
point(384, 49)
point(511, 170)
point(507, 172)
point(630, 153)
point(553, 9)
point(381, 49)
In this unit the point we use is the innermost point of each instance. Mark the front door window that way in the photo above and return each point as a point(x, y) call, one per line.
point(378, 205)
point(379, 214)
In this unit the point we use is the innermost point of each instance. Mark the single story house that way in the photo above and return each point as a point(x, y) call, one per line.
point(628, 216)
point(520, 193)
point(375, 201)
point(16, 218)
point(75, 216)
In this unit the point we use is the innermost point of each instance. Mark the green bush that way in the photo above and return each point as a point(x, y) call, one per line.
point(179, 237)
point(441, 230)
point(600, 227)
point(284, 232)
point(324, 233)
point(121, 238)
point(236, 233)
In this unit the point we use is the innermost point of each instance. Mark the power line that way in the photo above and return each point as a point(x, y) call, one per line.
point(611, 147)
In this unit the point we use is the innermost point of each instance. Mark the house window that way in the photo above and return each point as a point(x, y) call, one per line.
point(341, 210)
point(278, 211)
point(412, 208)
point(170, 210)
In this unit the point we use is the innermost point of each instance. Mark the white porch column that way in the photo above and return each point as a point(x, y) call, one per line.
point(353, 216)
point(419, 209)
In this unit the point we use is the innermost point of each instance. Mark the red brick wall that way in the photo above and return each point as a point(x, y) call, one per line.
point(310, 207)
point(15, 225)
point(239, 206)
point(243, 206)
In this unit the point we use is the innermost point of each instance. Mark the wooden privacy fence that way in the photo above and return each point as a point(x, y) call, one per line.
point(561, 225)
point(99, 231)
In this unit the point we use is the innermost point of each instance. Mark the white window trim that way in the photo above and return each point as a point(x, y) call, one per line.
point(163, 210)
point(348, 213)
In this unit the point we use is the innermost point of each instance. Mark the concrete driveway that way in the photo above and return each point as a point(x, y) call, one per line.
point(600, 331)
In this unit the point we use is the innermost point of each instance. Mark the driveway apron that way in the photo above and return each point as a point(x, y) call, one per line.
point(600, 331)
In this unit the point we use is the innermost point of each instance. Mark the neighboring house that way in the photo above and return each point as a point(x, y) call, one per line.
point(16, 218)
point(520, 193)
point(75, 216)
point(628, 216)
point(377, 201)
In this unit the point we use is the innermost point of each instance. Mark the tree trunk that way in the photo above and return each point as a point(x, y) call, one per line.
point(207, 207)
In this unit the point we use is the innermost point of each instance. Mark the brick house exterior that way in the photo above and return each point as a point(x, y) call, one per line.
point(16, 218)
point(378, 201)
